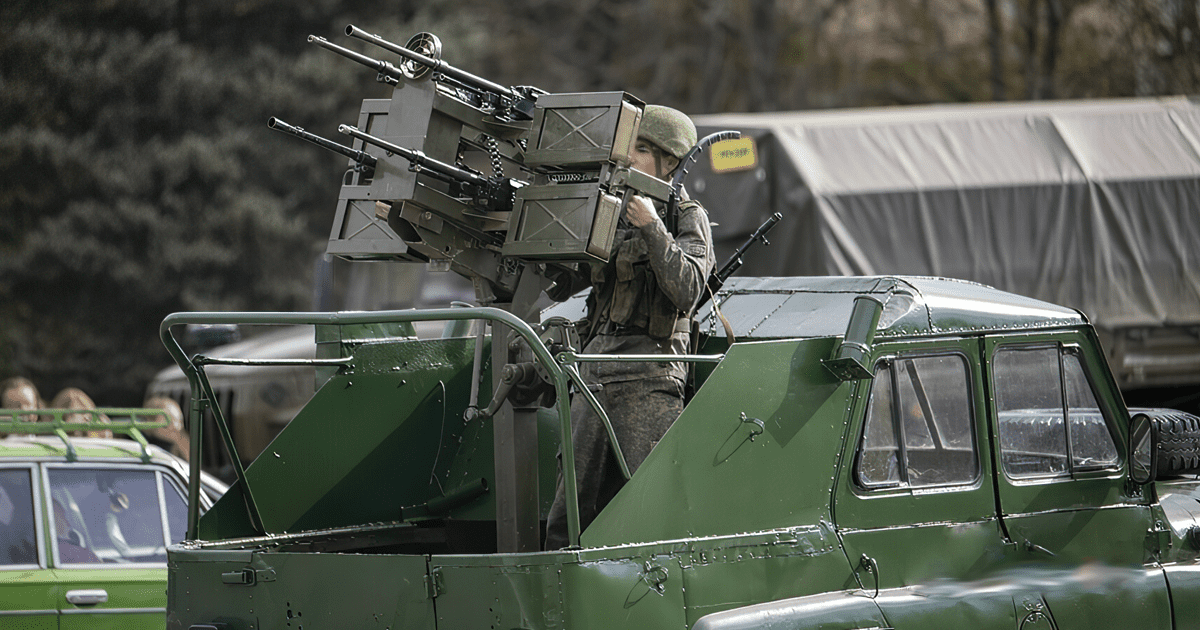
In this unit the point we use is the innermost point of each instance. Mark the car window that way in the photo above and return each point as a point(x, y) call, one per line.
point(106, 515)
point(922, 403)
point(18, 532)
point(1036, 388)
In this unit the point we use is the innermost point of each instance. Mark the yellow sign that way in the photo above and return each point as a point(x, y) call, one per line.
point(733, 155)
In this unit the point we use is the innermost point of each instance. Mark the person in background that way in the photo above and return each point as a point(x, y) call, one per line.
point(173, 436)
point(74, 399)
point(19, 392)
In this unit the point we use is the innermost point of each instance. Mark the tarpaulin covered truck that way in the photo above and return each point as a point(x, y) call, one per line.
point(1090, 204)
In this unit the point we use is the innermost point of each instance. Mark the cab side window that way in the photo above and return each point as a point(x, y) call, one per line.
point(1036, 389)
point(18, 533)
point(919, 426)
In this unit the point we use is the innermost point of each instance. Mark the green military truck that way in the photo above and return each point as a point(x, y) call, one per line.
point(855, 452)
point(883, 452)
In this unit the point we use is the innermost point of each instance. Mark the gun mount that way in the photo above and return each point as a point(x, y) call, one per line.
point(480, 178)
point(501, 185)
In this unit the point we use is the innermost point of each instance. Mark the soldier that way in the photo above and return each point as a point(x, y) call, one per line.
point(641, 303)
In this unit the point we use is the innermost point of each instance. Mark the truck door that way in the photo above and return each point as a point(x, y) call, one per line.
point(1077, 534)
point(915, 503)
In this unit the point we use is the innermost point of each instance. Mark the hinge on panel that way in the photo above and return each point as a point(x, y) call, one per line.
point(433, 583)
point(1158, 537)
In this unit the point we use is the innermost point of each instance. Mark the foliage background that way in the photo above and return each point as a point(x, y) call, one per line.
point(137, 176)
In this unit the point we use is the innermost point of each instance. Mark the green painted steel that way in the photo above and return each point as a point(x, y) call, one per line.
point(716, 472)
point(775, 500)
point(202, 394)
point(118, 420)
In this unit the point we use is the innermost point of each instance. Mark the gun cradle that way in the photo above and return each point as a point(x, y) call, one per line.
point(422, 117)
point(480, 188)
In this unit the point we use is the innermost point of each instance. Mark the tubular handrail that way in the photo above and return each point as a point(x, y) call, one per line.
point(193, 371)
point(561, 367)
point(569, 359)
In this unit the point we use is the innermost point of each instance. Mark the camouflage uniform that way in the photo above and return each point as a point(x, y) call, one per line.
point(641, 303)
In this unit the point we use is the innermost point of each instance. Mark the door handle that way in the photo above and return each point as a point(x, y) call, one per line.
point(87, 597)
point(868, 564)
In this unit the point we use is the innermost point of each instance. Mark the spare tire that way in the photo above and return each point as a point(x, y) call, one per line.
point(1178, 442)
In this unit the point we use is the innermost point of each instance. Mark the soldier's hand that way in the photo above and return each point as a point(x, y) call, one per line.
point(640, 211)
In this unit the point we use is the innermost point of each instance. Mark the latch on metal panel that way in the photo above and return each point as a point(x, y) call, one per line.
point(655, 575)
point(433, 583)
point(762, 426)
point(245, 577)
point(248, 576)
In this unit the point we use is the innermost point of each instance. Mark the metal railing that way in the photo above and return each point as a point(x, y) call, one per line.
point(560, 368)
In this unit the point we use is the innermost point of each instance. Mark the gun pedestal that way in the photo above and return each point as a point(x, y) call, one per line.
point(515, 439)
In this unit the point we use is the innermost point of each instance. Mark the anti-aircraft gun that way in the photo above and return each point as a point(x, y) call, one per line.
point(501, 185)
point(559, 168)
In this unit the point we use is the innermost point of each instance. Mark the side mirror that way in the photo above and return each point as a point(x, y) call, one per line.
point(1143, 448)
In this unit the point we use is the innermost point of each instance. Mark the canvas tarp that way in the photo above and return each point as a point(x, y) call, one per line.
point(1089, 204)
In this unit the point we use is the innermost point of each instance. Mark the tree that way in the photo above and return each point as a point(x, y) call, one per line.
point(1164, 36)
point(139, 177)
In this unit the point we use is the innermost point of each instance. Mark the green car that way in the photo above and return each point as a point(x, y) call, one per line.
point(84, 523)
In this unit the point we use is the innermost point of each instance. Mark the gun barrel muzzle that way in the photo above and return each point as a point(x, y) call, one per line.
point(382, 67)
point(360, 157)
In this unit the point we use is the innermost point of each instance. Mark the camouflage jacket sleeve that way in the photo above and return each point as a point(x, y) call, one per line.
point(682, 264)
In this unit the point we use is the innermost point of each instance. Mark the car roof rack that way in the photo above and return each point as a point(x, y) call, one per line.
point(127, 421)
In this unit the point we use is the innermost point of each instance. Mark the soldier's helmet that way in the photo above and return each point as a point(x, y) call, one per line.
point(668, 128)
